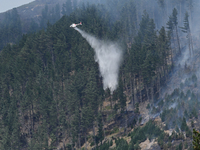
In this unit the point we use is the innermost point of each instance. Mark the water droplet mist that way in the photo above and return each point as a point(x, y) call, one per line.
point(109, 57)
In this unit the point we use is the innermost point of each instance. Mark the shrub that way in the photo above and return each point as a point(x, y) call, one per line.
point(148, 106)
point(121, 144)
point(194, 78)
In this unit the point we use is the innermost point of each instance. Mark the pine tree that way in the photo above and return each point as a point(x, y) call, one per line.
point(170, 28)
point(186, 29)
point(190, 4)
point(175, 22)
point(163, 52)
point(196, 140)
point(44, 17)
point(162, 5)
point(100, 128)
point(128, 17)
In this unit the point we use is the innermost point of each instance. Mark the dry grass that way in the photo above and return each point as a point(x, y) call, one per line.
point(146, 144)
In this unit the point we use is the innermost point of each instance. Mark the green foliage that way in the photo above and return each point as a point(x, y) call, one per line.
point(194, 78)
point(186, 145)
point(166, 114)
point(150, 130)
point(148, 106)
point(183, 124)
point(174, 16)
point(179, 105)
point(11, 29)
point(92, 144)
point(121, 96)
point(140, 119)
point(100, 131)
point(52, 87)
point(186, 27)
point(121, 144)
point(49, 16)
point(161, 103)
point(115, 130)
point(137, 108)
point(188, 133)
point(105, 146)
point(161, 3)
point(50, 83)
point(192, 124)
point(196, 140)
point(180, 146)
point(137, 147)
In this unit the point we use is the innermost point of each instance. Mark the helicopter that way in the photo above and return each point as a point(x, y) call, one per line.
point(74, 25)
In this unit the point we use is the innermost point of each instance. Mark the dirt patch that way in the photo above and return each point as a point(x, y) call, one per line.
point(86, 145)
point(128, 139)
point(114, 145)
point(169, 131)
point(147, 144)
point(106, 103)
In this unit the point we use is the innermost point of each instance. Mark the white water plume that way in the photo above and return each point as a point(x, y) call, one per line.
point(109, 57)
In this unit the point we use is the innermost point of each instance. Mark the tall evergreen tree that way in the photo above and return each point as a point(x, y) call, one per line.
point(175, 22)
point(186, 29)
point(190, 5)
point(196, 140)
point(170, 28)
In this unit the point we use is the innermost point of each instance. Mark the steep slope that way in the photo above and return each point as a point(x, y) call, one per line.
point(52, 97)
point(34, 9)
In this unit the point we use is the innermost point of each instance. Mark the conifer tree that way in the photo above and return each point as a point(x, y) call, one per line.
point(163, 50)
point(162, 5)
point(196, 140)
point(170, 28)
point(186, 29)
point(190, 4)
point(128, 17)
point(44, 17)
point(100, 128)
point(175, 22)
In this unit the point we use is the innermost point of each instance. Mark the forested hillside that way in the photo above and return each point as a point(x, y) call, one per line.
point(35, 15)
point(51, 91)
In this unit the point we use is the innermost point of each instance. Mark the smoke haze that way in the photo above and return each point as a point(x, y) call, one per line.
point(109, 57)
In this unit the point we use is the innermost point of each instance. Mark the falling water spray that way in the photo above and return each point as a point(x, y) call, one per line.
point(109, 57)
